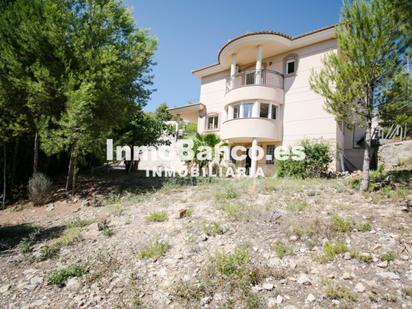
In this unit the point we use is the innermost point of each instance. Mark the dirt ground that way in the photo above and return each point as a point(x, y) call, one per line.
point(225, 243)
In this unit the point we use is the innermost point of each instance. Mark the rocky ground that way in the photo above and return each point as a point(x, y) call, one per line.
point(265, 243)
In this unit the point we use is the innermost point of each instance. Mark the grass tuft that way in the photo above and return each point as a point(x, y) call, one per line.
point(159, 216)
point(213, 229)
point(388, 256)
point(331, 250)
point(340, 224)
point(336, 291)
point(282, 250)
point(154, 250)
point(60, 276)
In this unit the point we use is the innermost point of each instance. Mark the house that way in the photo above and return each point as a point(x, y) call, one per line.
point(258, 93)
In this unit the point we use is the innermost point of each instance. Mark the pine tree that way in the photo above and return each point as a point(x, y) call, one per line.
point(355, 79)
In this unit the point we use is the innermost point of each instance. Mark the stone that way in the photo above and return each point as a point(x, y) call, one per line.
point(205, 300)
point(360, 288)
point(279, 300)
point(50, 207)
point(388, 275)
point(304, 279)
point(268, 286)
point(73, 284)
point(36, 280)
point(383, 264)
point(4, 288)
point(404, 257)
point(347, 276)
point(347, 256)
point(272, 303)
point(182, 212)
point(293, 238)
point(310, 298)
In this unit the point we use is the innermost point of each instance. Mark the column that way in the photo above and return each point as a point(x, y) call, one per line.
point(270, 111)
point(230, 112)
point(253, 160)
point(233, 71)
point(256, 110)
point(258, 77)
point(241, 111)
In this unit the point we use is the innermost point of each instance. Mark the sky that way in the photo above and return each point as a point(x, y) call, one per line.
point(191, 32)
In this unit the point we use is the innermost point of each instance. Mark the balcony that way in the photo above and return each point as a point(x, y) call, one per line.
point(255, 85)
point(245, 129)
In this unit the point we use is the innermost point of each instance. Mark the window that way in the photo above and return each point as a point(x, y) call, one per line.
point(264, 110)
point(212, 122)
point(247, 110)
point(290, 66)
point(274, 112)
point(250, 78)
point(270, 154)
point(236, 111)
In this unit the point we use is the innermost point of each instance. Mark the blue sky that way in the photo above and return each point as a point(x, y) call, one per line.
point(191, 32)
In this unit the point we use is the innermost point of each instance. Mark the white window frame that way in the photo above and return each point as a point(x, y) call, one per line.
point(215, 122)
point(290, 60)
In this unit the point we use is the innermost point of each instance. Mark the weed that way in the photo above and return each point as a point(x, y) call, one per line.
point(117, 209)
point(331, 250)
point(26, 244)
point(231, 263)
point(229, 194)
point(296, 206)
point(364, 227)
point(69, 237)
point(364, 257)
point(340, 224)
point(39, 187)
point(407, 290)
point(336, 291)
point(388, 256)
point(49, 252)
point(154, 250)
point(234, 212)
point(213, 229)
point(159, 216)
point(60, 276)
point(79, 223)
point(282, 250)
point(108, 231)
point(253, 301)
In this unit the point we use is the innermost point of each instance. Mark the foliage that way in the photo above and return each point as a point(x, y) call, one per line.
point(282, 250)
point(162, 113)
point(49, 252)
point(331, 250)
point(154, 250)
point(40, 189)
point(354, 82)
point(60, 276)
point(340, 224)
point(231, 263)
point(213, 229)
point(315, 163)
point(159, 216)
point(201, 142)
point(388, 256)
point(364, 227)
point(336, 291)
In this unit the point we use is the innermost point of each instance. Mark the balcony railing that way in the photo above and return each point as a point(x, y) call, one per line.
point(260, 77)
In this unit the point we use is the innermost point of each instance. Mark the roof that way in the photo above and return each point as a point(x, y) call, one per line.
point(291, 38)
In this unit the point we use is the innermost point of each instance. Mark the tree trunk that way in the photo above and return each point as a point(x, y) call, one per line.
point(69, 177)
point(4, 176)
point(36, 152)
point(74, 177)
point(366, 156)
point(14, 162)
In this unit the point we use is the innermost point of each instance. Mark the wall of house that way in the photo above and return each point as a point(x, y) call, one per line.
point(212, 93)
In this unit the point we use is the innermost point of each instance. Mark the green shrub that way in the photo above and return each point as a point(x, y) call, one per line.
point(40, 189)
point(26, 244)
point(231, 263)
point(159, 216)
point(282, 250)
point(60, 276)
point(108, 231)
point(331, 250)
point(213, 229)
point(154, 250)
point(336, 291)
point(364, 227)
point(316, 162)
point(49, 252)
point(340, 224)
point(388, 256)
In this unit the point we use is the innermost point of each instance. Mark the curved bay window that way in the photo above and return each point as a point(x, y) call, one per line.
point(252, 110)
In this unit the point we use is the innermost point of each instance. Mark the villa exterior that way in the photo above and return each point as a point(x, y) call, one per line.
point(258, 93)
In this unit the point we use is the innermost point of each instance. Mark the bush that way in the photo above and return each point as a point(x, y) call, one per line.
point(60, 276)
point(316, 162)
point(39, 189)
point(154, 250)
